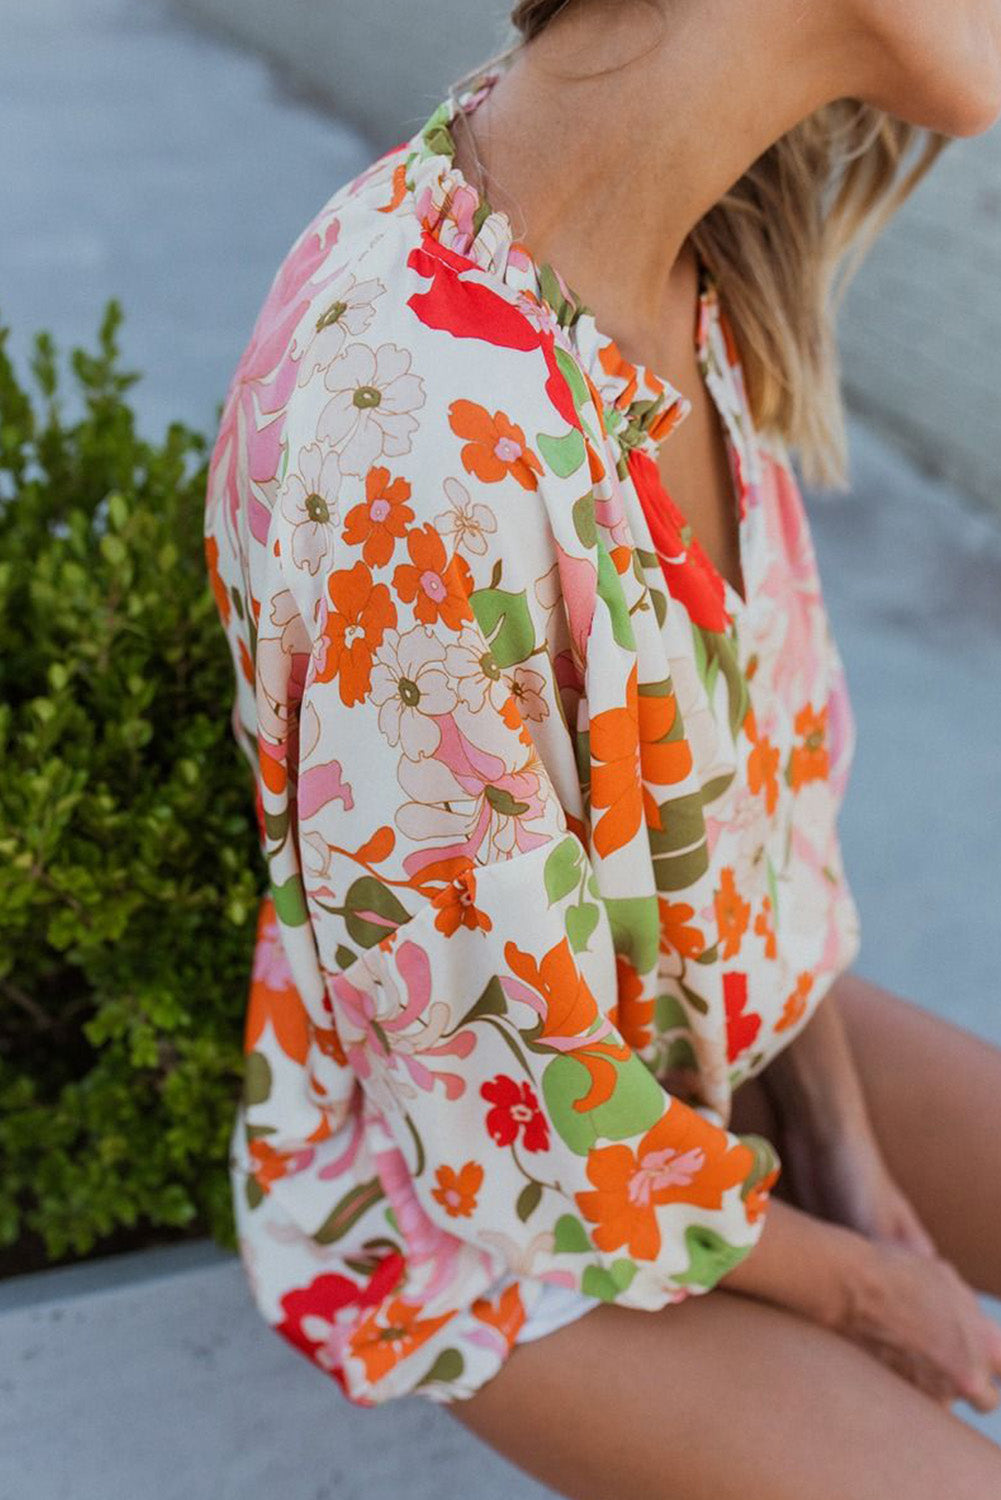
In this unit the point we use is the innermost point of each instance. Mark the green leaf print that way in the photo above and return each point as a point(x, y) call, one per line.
point(290, 902)
point(580, 922)
point(565, 454)
point(710, 1256)
point(348, 1210)
point(569, 1235)
point(562, 870)
point(583, 520)
point(371, 910)
point(528, 1200)
point(610, 590)
point(492, 1002)
point(679, 847)
point(637, 1100)
point(635, 922)
point(505, 620)
point(571, 373)
point(598, 1281)
point(447, 1367)
point(681, 1054)
point(670, 1013)
point(256, 1079)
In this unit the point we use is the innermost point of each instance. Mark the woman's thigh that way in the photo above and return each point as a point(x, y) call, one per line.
point(722, 1397)
point(933, 1090)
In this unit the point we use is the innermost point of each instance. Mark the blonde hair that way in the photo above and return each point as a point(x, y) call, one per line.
point(784, 242)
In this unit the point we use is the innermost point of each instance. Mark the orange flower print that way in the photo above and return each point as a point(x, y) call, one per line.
point(676, 935)
point(629, 745)
point(742, 1026)
point(356, 615)
point(457, 907)
point(495, 445)
point(378, 523)
point(218, 586)
point(796, 1003)
point(569, 1011)
point(809, 761)
point(763, 927)
point(757, 1198)
point(456, 1191)
point(437, 586)
point(732, 913)
point(683, 1158)
point(390, 1333)
point(762, 765)
point(270, 1165)
point(507, 1314)
point(631, 1014)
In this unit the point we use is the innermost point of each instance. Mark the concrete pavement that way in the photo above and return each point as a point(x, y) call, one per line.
point(140, 159)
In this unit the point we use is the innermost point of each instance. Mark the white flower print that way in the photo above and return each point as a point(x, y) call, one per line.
point(410, 686)
point(349, 311)
point(469, 523)
point(478, 679)
point(371, 410)
point(309, 501)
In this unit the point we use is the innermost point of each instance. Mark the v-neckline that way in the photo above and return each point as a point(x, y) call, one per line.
point(640, 406)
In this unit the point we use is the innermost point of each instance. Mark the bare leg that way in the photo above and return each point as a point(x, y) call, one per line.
point(934, 1094)
point(722, 1397)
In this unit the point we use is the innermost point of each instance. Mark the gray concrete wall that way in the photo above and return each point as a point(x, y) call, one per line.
point(921, 324)
point(383, 63)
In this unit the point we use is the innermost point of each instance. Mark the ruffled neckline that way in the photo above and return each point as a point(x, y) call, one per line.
point(641, 406)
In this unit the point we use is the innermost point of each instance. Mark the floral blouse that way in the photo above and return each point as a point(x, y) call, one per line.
point(548, 807)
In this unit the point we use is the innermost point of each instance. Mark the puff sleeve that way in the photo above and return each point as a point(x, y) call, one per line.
point(471, 969)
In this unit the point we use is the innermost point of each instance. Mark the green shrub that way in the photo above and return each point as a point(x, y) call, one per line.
point(130, 867)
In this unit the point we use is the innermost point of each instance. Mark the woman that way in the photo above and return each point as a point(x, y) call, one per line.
point(551, 1021)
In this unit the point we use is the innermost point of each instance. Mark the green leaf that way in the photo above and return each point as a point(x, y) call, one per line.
point(371, 911)
point(506, 622)
point(570, 1236)
point(562, 870)
point(528, 1200)
point(564, 455)
point(581, 921)
point(348, 1210)
point(256, 1079)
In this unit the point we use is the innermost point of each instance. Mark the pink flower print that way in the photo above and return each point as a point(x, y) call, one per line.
point(370, 413)
point(528, 689)
point(309, 502)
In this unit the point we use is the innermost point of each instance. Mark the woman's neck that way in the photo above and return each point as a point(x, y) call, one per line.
point(605, 177)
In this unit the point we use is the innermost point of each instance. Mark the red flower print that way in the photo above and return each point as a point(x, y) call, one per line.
point(456, 1191)
point(496, 446)
point(732, 913)
point(809, 761)
point(690, 576)
point(437, 586)
point(741, 1029)
point(516, 1108)
point(381, 519)
point(356, 618)
point(311, 1311)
